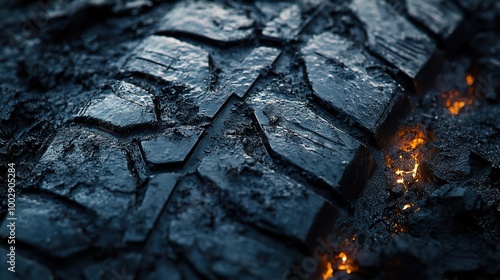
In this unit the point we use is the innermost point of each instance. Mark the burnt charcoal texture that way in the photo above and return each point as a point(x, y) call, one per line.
point(159, 189)
point(349, 81)
point(397, 40)
point(171, 148)
point(286, 25)
point(457, 199)
point(268, 199)
point(124, 108)
point(107, 191)
point(214, 21)
point(443, 18)
point(201, 139)
point(244, 76)
point(220, 242)
point(302, 138)
point(179, 63)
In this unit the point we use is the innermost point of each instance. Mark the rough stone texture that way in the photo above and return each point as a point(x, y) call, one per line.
point(88, 169)
point(442, 17)
point(47, 226)
point(172, 147)
point(299, 136)
point(267, 199)
point(395, 39)
point(215, 21)
point(122, 107)
point(25, 268)
point(347, 80)
point(286, 26)
point(242, 78)
point(157, 194)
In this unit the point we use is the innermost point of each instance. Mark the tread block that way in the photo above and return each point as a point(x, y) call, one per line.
point(124, 108)
point(181, 64)
point(304, 139)
point(157, 194)
point(286, 26)
point(49, 227)
point(244, 76)
point(225, 252)
point(172, 61)
point(89, 169)
point(269, 200)
point(172, 147)
point(395, 39)
point(442, 17)
point(214, 21)
point(344, 78)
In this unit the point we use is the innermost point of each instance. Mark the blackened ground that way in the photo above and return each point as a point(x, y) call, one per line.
point(448, 223)
point(445, 225)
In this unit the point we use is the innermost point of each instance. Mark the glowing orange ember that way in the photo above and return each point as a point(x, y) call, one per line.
point(406, 164)
point(346, 264)
point(329, 271)
point(411, 138)
point(469, 79)
point(404, 173)
point(342, 263)
point(407, 206)
point(455, 101)
point(343, 256)
point(455, 104)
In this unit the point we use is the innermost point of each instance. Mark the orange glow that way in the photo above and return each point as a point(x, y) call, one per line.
point(469, 79)
point(407, 206)
point(416, 142)
point(411, 138)
point(341, 262)
point(455, 100)
point(329, 271)
point(346, 264)
point(413, 172)
point(343, 256)
point(405, 166)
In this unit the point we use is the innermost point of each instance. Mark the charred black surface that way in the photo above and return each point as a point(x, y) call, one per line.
point(252, 139)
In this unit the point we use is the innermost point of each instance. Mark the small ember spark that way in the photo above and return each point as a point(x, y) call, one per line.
point(469, 79)
point(407, 153)
point(343, 257)
point(346, 264)
point(456, 101)
point(406, 164)
point(329, 271)
point(341, 263)
point(407, 206)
